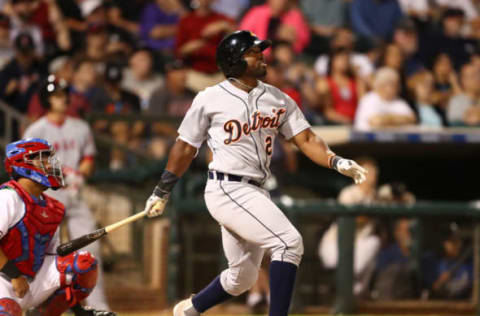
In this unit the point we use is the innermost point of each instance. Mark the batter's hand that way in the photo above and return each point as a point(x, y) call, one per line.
point(20, 286)
point(155, 205)
point(351, 169)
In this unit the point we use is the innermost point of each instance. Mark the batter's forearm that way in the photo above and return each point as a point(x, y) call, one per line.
point(318, 152)
point(314, 147)
point(180, 158)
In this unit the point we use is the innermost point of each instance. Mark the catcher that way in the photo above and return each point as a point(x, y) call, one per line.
point(31, 275)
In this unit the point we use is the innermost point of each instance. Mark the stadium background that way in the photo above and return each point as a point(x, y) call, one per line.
point(153, 263)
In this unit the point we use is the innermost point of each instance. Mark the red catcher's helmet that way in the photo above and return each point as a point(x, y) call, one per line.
point(34, 159)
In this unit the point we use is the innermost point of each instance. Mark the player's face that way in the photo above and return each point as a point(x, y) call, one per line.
point(257, 67)
point(58, 102)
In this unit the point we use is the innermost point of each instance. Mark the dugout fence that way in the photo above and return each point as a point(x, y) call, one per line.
point(195, 245)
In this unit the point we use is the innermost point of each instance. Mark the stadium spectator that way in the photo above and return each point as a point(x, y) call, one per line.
point(406, 38)
point(278, 20)
point(199, 33)
point(96, 44)
point(63, 68)
point(79, 15)
point(464, 108)
point(421, 85)
point(394, 277)
point(367, 243)
point(395, 192)
point(374, 19)
point(450, 39)
point(173, 99)
point(21, 15)
point(469, 7)
point(446, 82)
point(394, 58)
point(324, 18)
point(454, 270)
point(140, 78)
point(382, 107)
point(159, 24)
point(84, 82)
point(124, 102)
point(6, 48)
point(20, 77)
point(298, 76)
point(344, 38)
point(276, 77)
point(125, 14)
point(340, 90)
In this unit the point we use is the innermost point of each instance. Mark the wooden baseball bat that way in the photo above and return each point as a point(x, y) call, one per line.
point(80, 242)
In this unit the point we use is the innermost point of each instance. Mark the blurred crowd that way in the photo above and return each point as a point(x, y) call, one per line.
point(365, 63)
point(388, 263)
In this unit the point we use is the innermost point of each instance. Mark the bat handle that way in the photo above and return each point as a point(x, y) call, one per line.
point(125, 221)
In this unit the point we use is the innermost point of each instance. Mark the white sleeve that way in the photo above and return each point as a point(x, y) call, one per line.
point(194, 127)
point(52, 246)
point(12, 210)
point(295, 122)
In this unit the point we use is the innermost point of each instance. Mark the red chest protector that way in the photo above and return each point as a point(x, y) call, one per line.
point(25, 244)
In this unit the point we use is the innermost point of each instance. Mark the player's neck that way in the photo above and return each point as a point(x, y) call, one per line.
point(31, 187)
point(56, 117)
point(245, 84)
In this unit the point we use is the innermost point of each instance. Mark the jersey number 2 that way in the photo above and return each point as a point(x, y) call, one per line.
point(269, 145)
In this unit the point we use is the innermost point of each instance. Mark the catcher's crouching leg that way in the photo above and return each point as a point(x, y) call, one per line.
point(9, 307)
point(78, 276)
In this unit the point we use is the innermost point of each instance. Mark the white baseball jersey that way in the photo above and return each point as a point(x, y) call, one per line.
point(73, 140)
point(240, 127)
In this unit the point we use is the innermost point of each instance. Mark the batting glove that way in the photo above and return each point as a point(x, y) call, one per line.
point(156, 205)
point(350, 169)
point(158, 200)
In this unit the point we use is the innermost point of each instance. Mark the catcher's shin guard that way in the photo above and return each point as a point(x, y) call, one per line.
point(9, 307)
point(78, 276)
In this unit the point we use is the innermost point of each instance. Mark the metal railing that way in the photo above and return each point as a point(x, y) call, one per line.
point(345, 302)
point(10, 116)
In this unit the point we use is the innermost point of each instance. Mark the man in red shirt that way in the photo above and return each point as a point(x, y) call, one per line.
point(197, 38)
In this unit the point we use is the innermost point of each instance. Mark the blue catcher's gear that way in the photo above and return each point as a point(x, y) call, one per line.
point(34, 159)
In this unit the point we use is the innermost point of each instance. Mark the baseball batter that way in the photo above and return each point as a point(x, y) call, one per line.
point(240, 118)
point(74, 145)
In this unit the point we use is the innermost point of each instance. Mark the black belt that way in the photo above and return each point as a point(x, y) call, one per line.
point(231, 177)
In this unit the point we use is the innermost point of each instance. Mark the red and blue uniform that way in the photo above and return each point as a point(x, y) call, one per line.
point(26, 242)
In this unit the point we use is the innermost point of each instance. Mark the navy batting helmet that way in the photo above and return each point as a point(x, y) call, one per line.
point(231, 49)
point(50, 86)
